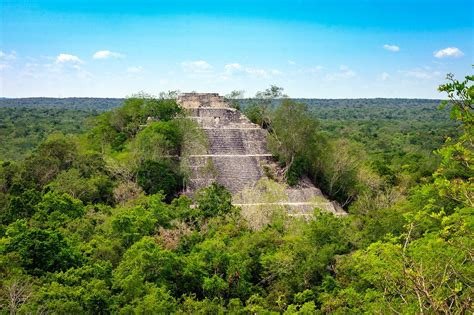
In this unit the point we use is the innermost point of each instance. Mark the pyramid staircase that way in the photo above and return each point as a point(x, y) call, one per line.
point(236, 156)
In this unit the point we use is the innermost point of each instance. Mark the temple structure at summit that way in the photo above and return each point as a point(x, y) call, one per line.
point(202, 100)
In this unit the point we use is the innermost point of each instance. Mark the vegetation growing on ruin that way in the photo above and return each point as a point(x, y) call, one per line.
point(92, 222)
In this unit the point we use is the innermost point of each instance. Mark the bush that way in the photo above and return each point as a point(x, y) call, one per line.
point(156, 176)
point(214, 200)
point(41, 250)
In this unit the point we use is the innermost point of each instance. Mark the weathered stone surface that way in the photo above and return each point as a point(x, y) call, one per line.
point(236, 158)
point(197, 100)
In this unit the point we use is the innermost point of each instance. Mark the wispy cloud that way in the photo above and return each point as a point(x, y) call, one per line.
point(106, 54)
point(393, 48)
point(452, 52)
point(311, 70)
point(7, 56)
point(384, 76)
point(67, 58)
point(291, 62)
point(344, 73)
point(30, 69)
point(66, 65)
point(237, 69)
point(423, 74)
point(232, 68)
point(135, 69)
point(256, 72)
point(6, 59)
point(60, 68)
point(81, 73)
point(197, 66)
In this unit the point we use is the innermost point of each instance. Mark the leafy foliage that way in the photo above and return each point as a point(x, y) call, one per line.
point(23, 125)
point(155, 176)
point(91, 223)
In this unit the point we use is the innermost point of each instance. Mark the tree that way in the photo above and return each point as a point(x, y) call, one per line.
point(428, 267)
point(159, 140)
point(162, 109)
point(171, 94)
point(259, 111)
point(123, 123)
point(294, 135)
point(273, 92)
point(454, 178)
point(20, 206)
point(461, 99)
point(40, 250)
point(143, 264)
point(214, 200)
point(234, 96)
point(337, 169)
point(131, 224)
point(156, 176)
point(94, 189)
point(15, 292)
point(155, 301)
point(304, 257)
point(126, 191)
point(58, 208)
point(55, 154)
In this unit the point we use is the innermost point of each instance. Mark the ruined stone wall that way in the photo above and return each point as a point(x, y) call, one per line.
point(197, 100)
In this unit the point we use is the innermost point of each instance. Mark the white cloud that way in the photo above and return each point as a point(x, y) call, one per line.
point(259, 73)
point(291, 62)
point(238, 69)
point(137, 69)
point(31, 70)
point(344, 73)
point(6, 59)
point(56, 70)
point(423, 74)
point(393, 48)
point(105, 54)
point(198, 66)
point(64, 58)
point(232, 68)
point(7, 56)
point(312, 70)
point(384, 76)
point(448, 52)
point(82, 73)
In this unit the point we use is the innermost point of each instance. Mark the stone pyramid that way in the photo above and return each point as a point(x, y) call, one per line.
point(237, 158)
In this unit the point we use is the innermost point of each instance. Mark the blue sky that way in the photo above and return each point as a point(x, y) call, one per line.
point(322, 49)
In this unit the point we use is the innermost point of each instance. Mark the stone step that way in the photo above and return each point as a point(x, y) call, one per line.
point(237, 173)
point(296, 209)
point(236, 141)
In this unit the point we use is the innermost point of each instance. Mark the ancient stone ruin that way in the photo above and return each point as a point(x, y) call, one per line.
point(237, 157)
point(201, 100)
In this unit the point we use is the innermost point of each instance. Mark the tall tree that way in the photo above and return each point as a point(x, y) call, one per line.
point(259, 111)
point(294, 132)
